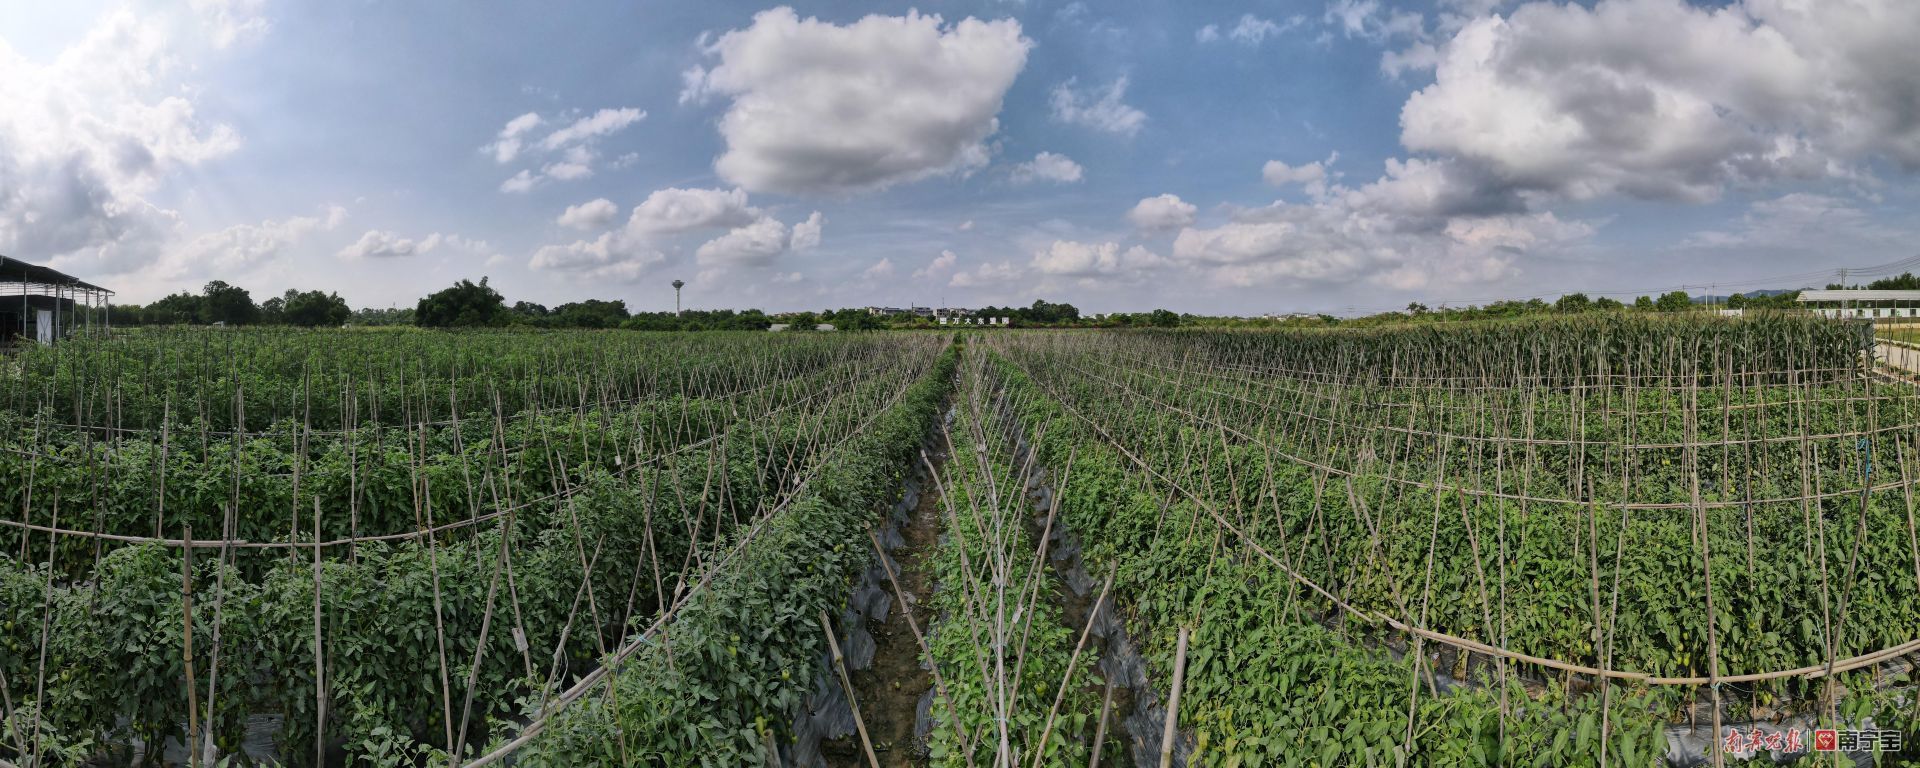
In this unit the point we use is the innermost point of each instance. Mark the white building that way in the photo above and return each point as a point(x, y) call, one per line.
point(1854, 303)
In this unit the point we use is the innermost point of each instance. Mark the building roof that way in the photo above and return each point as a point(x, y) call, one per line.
point(16, 271)
point(1859, 294)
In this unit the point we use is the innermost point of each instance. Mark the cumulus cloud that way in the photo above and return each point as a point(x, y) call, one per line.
point(823, 109)
point(1251, 30)
point(1350, 236)
point(593, 214)
point(382, 244)
point(1658, 99)
point(232, 21)
point(674, 210)
point(880, 270)
point(806, 234)
point(243, 247)
point(506, 144)
point(1101, 109)
point(1162, 213)
point(602, 123)
point(1067, 258)
point(575, 144)
point(754, 245)
point(941, 265)
point(1311, 176)
point(523, 181)
point(987, 275)
point(1367, 20)
point(1047, 166)
point(612, 257)
point(86, 139)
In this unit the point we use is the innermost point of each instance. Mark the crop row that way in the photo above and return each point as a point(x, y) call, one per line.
point(722, 682)
point(252, 379)
point(373, 481)
point(999, 641)
point(1208, 518)
point(424, 639)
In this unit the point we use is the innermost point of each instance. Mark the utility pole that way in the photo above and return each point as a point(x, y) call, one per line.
point(676, 296)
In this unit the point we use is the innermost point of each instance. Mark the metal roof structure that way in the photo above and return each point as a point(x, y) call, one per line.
point(16, 271)
point(1859, 294)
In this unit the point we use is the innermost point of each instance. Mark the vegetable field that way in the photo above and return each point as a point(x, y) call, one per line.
point(1613, 540)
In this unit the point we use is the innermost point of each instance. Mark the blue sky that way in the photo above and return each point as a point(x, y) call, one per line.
point(1217, 157)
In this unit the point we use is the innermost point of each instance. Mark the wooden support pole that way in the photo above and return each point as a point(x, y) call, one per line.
point(1173, 700)
point(846, 684)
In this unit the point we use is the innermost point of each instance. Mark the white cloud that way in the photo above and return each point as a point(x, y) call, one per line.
point(1801, 221)
point(232, 21)
point(506, 145)
point(987, 275)
point(576, 144)
point(880, 270)
point(612, 257)
point(1161, 213)
point(523, 181)
point(1365, 19)
point(1207, 34)
point(1661, 100)
point(593, 214)
point(602, 123)
point(86, 139)
point(382, 244)
point(966, 225)
point(241, 248)
point(806, 234)
point(754, 245)
point(823, 109)
point(1313, 177)
point(674, 210)
point(1101, 109)
point(942, 264)
point(1047, 166)
point(1067, 258)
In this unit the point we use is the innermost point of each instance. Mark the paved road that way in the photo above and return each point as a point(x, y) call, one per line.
point(1900, 357)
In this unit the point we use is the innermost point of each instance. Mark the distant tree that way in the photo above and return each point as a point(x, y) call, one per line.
point(1416, 308)
point(1606, 304)
point(1573, 302)
point(1906, 281)
point(230, 304)
point(1673, 301)
point(377, 317)
point(1644, 303)
point(465, 305)
point(175, 309)
point(592, 313)
point(1737, 301)
point(1161, 318)
point(309, 309)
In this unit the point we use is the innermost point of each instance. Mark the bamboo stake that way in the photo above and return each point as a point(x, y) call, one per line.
point(1173, 700)
point(846, 684)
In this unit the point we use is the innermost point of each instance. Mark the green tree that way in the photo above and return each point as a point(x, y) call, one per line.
point(230, 304)
point(177, 308)
point(311, 309)
point(592, 313)
point(1673, 301)
point(1162, 318)
point(465, 305)
point(1573, 302)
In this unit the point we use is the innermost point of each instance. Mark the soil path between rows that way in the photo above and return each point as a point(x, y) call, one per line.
point(889, 692)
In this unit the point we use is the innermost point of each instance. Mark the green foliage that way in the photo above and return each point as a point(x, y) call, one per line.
point(465, 305)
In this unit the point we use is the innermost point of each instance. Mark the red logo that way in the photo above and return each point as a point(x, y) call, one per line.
point(1826, 740)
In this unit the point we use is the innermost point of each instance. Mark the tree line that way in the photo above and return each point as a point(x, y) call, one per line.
point(467, 304)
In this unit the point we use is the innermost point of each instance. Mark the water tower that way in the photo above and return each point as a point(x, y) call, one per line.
point(676, 296)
